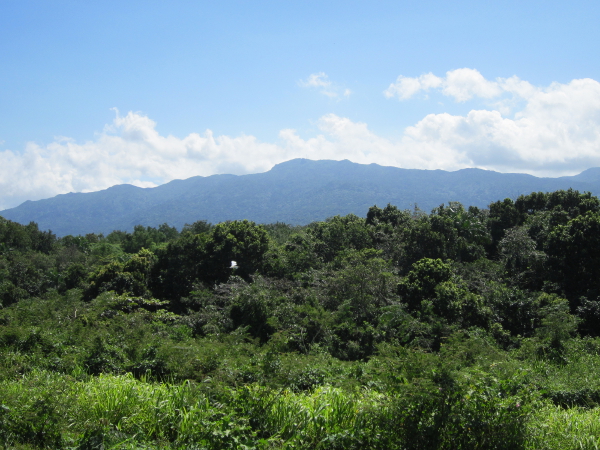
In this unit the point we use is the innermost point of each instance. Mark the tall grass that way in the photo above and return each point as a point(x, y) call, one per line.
point(555, 428)
point(325, 418)
point(49, 410)
point(100, 410)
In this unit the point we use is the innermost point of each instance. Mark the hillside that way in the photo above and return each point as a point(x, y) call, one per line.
point(297, 192)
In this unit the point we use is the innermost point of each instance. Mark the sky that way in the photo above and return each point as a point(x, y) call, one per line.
point(94, 94)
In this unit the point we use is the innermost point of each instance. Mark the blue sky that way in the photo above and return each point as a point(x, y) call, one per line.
point(99, 93)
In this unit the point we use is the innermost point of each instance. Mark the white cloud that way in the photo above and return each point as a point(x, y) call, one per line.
point(555, 131)
point(327, 88)
point(316, 80)
point(406, 87)
point(462, 84)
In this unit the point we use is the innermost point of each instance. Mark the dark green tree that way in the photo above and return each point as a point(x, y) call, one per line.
point(132, 277)
point(574, 257)
point(503, 215)
point(390, 215)
point(241, 241)
point(198, 227)
point(179, 265)
point(337, 234)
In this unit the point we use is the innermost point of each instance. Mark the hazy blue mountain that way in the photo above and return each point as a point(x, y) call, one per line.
point(296, 192)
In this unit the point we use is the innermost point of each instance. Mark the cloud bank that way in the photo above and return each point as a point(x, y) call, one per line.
point(549, 131)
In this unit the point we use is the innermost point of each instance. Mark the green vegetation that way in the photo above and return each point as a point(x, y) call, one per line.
point(460, 329)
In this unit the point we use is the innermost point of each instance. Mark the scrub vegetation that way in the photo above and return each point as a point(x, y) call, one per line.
point(462, 328)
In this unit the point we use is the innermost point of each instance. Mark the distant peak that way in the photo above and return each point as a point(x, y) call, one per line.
point(297, 162)
point(591, 174)
point(303, 162)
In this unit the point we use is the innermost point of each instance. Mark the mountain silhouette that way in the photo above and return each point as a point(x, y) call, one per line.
point(296, 192)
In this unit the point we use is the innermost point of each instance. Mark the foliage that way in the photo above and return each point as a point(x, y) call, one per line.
point(462, 328)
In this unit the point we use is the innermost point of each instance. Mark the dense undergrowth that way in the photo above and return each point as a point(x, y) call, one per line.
point(459, 329)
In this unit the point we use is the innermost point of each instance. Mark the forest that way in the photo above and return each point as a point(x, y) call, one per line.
point(462, 328)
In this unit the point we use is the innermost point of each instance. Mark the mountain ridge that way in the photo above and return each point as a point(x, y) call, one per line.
point(298, 191)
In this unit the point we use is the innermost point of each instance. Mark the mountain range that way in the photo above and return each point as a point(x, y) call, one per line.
point(296, 192)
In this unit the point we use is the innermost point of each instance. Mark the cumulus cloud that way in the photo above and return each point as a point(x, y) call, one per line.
point(321, 81)
point(406, 87)
point(462, 84)
point(555, 131)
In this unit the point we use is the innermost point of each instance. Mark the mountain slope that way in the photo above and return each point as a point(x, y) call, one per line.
point(297, 192)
